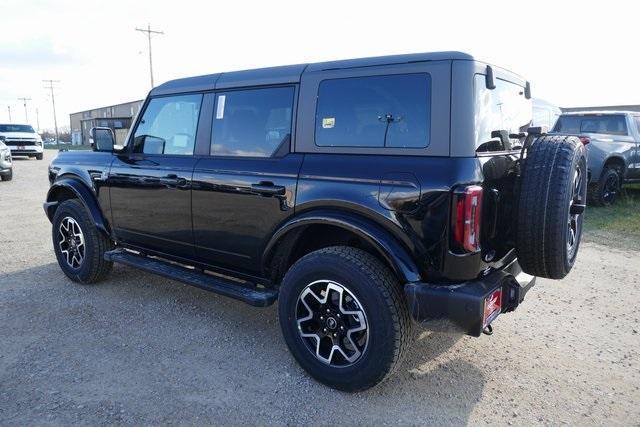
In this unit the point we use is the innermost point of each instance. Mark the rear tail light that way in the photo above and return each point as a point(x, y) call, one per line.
point(467, 218)
point(584, 139)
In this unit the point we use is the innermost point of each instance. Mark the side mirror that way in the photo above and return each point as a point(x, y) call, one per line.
point(102, 139)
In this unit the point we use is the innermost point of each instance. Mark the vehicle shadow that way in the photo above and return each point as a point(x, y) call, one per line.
point(138, 348)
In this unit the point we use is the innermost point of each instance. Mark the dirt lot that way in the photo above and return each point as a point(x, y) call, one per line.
point(139, 349)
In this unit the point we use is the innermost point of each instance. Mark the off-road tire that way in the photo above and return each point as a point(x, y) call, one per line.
point(7, 177)
point(39, 156)
point(545, 193)
point(385, 308)
point(93, 267)
point(600, 193)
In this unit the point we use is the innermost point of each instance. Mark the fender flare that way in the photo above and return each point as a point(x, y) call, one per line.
point(86, 196)
point(617, 158)
point(388, 246)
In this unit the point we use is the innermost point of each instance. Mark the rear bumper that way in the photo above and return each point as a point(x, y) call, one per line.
point(464, 303)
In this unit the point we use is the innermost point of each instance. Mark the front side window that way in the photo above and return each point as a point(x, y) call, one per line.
point(611, 124)
point(376, 111)
point(252, 123)
point(168, 126)
point(637, 119)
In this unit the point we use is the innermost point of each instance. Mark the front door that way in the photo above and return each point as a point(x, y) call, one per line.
point(150, 183)
point(246, 188)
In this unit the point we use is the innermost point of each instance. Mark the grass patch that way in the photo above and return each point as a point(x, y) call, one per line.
point(617, 225)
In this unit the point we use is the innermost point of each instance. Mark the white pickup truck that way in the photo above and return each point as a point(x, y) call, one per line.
point(22, 140)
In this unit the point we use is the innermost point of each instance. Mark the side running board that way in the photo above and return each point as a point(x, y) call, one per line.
point(250, 295)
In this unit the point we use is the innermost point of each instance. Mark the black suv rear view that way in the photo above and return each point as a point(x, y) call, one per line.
point(363, 195)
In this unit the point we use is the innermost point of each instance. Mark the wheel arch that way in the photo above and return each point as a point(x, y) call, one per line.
point(69, 187)
point(279, 252)
point(617, 162)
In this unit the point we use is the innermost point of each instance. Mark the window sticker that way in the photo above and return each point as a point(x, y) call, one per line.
point(220, 109)
point(328, 122)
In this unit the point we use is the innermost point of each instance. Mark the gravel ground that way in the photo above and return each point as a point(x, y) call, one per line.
point(139, 349)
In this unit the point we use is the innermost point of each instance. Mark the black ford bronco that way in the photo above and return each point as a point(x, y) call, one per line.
point(363, 195)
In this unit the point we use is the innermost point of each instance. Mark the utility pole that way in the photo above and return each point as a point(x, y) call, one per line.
point(26, 115)
point(149, 31)
point(37, 120)
point(53, 102)
point(9, 109)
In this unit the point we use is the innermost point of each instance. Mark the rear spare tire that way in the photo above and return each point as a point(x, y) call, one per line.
point(551, 201)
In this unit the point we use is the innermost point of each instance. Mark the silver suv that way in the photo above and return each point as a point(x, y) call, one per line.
point(613, 149)
point(6, 166)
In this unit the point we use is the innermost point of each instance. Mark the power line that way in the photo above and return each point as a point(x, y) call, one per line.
point(26, 114)
point(53, 102)
point(149, 31)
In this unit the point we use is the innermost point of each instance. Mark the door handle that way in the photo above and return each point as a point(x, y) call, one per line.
point(174, 179)
point(268, 189)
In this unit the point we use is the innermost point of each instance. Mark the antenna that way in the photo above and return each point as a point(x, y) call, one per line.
point(149, 31)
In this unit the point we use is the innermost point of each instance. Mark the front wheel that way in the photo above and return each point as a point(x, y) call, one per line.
point(39, 156)
point(8, 177)
point(344, 318)
point(78, 245)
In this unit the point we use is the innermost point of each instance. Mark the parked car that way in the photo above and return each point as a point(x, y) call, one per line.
point(361, 194)
point(22, 140)
point(613, 149)
point(6, 166)
point(545, 114)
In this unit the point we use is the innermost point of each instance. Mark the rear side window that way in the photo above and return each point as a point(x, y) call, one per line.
point(637, 119)
point(612, 124)
point(252, 123)
point(376, 111)
point(168, 126)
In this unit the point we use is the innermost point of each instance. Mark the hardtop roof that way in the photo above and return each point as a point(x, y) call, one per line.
point(292, 73)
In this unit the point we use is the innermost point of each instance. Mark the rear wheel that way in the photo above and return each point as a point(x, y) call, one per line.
point(78, 245)
point(343, 317)
point(605, 192)
point(552, 194)
point(8, 177)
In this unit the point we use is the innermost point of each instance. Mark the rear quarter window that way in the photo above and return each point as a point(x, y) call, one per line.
point(374, 111)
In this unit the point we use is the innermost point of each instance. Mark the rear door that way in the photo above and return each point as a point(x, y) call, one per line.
point(246, 187)
point(150, 183)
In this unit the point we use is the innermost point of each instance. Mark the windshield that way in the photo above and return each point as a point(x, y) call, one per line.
point(504, 108)
point(16, 128)
point(610, 124)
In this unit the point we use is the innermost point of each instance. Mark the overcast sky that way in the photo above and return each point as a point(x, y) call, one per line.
point(574, 53)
